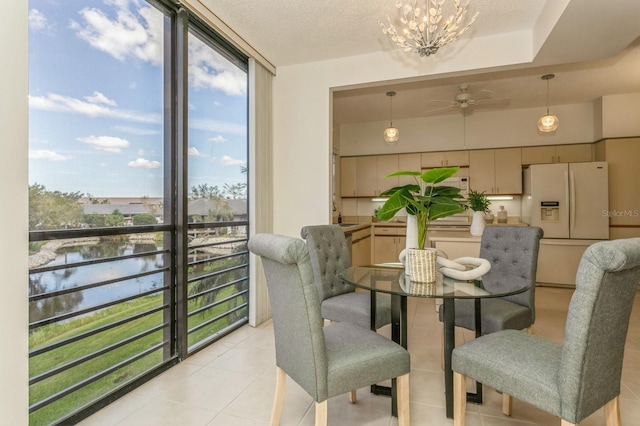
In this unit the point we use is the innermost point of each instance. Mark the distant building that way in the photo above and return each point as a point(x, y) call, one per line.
point(131, 206)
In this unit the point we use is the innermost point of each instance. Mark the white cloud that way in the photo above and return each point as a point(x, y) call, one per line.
point(208, 69)
point(99, 98)
point(105, 143)
point(130, 34)
point(228, 161)
point(217, 126)
point(39, 22)
point(193, 151)
point(218, 139)
point(44, 154)
point(217, 103)
point(139, 131)
point(60, 103)
point(142, 163)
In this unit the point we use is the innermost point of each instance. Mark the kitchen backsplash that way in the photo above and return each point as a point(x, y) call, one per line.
point(365, 207)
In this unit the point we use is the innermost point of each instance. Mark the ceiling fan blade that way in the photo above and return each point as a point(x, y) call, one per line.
point(441, 110)
point(481, 95)
point(493, 103)
point(440, 101)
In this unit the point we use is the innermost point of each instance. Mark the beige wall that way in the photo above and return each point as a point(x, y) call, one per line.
point(482, 129)
point(302, 120)
point(13, 216)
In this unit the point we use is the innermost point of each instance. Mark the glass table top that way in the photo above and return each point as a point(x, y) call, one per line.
point(391, 279)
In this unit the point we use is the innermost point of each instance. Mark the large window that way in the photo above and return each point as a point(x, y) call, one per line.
point(138, 223)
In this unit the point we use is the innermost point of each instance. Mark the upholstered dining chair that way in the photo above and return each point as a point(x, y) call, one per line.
point(329, 252)
point(573, 379)
point(513, 254)
point(324, 361)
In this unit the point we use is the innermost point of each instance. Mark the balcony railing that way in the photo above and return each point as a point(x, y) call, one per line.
point(106, 311)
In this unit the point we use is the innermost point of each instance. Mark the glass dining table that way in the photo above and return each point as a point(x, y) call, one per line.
point(391, 279)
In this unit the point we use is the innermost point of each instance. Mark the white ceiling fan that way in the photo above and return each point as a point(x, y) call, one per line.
point(466, 99)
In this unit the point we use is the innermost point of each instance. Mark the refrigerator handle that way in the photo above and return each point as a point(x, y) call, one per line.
point(572, 204)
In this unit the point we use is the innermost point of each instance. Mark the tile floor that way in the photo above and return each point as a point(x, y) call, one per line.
point(232, 382)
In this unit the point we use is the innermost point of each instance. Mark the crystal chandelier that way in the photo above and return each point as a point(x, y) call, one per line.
point(548, 123)
point(422, 32)
point(391, 134)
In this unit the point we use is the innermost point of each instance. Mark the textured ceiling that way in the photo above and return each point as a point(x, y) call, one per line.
point(288, 32)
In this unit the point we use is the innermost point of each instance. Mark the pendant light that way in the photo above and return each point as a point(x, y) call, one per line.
point(391, 134)
point(549, 122)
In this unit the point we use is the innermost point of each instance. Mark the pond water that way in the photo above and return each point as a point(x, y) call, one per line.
point(76, 276)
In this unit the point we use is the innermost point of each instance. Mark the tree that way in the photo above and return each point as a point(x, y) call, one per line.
point(94, 220)
point(145, 219)
point(205, 191)
point(53, 209)
point(235, 191)
point(115, 219)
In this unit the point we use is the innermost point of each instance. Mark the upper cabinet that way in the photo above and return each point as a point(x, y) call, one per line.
point(444, 159)
point(408, 162)
point(348, 176)
point(496, 171)
point(365, 176)
point(573, 153)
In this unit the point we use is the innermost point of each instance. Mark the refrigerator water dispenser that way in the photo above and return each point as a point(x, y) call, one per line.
point(549, 211)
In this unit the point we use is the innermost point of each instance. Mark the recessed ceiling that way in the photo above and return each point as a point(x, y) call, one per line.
point(290, 32)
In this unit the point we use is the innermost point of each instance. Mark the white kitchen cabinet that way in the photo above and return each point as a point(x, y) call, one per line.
point(444, 159)
point(571, 153)
point(388, 242)
point(496, 171)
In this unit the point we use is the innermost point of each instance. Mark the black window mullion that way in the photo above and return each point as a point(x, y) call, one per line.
point(182, 177)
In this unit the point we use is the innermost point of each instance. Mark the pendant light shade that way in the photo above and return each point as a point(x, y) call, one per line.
point(548, 122)
point(391, 134)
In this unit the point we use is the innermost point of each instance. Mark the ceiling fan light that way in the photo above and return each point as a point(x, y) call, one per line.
point(548, 123)
point(391, 135)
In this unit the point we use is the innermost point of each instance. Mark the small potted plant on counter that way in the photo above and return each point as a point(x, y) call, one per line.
point(424, 202)
point(479, 203)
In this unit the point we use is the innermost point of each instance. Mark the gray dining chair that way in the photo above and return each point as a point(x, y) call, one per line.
point(573, 379)
point(329, 252)
point(324, 361)
point(513, 254)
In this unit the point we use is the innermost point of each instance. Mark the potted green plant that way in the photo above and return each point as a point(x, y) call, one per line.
point(423, 199)
point(479, 203)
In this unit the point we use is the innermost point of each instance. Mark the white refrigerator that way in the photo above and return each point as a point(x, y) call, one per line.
point(567, 200)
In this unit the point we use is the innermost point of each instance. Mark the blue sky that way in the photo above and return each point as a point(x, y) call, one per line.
point(96, 101)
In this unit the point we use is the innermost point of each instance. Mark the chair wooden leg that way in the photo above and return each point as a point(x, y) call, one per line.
point(404, 417)
point(459, 399)
point(566, 423)
point(612, 412)
point(278, 399)
point(507, 404)
point(321, 413)
point(352, 396)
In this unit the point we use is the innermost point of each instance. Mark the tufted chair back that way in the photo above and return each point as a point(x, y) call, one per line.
point(329, 253)
point(513, 253)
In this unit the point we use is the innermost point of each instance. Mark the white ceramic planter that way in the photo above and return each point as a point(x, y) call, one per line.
point(477, 224)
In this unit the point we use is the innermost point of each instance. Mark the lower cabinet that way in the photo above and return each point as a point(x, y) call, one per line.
point(388, 242)
point(361, 247)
